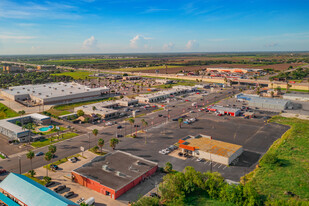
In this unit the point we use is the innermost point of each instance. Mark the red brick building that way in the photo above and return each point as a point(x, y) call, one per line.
point(114, 174)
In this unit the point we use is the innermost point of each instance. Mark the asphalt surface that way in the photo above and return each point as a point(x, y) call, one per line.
point(72, 146)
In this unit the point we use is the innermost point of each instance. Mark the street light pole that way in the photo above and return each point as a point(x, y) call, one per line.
point(89, 141)
point(19, 163)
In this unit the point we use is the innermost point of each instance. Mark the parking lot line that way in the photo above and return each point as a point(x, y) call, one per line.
point(209, 163)
point(224, 167)
point(215, 164)
point(220, 165)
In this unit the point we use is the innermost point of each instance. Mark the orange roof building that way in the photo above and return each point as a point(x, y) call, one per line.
point(203, 146)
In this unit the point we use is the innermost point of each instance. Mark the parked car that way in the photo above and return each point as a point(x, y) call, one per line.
point(73, 159)
point(119, 127)
point(175, 119)
point(180, 154)
point(69, 194)
point(160, 115)
point(39, 154)
point(59, 188)
point(200, 160)
point(49, 184)
point(2, 171)
point(55, 167)
point(108, 124)
point(119, 135)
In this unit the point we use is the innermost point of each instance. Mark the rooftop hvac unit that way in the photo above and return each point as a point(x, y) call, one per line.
point(71, 92)
point(17, 92)
point(106, 168)
point(28, 89)
point(49, 87)
point(119, 174)
point(46, 95)
point(44, 85)
point(62, 90)
point(39, 93)
point(55, 88)
point(23, 87)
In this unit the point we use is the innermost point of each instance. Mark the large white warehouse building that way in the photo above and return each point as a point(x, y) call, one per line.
point(53, 93)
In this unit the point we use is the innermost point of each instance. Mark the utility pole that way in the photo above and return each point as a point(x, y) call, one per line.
point(210, 163)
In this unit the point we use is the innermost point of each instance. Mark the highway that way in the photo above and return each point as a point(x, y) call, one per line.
point(72, 146)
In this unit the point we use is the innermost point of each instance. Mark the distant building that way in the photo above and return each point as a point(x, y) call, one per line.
point(54, 93)
point(104, 109)
point(113, 76)
point(25, 191)
point(11, 69)
point(266, 103)
point(164, 81)
point(114, 174)
point(46, 67)
point(203, 146)
point(131, 77)
point(225, 110)
point(235, 70)
point(161, 95)
point(125, 102)
point(296, 97)
point(9, 128)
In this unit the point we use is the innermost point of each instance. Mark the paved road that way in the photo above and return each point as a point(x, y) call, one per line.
point(72, 146)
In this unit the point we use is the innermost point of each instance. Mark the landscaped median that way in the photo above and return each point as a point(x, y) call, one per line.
point(49, 141)
point(282, 176)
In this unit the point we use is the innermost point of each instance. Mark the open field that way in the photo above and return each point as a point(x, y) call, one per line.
point(144, 68)
point(6, 112)
point(76, 75)
point(291, 174)
point(67, 108)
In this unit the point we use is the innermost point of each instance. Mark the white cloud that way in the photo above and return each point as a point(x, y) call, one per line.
point(139, 41)
point(35, 48)
point(7, 37)
point(90, 44)
point(271, 45)
point(168, 47)
point(192, 44)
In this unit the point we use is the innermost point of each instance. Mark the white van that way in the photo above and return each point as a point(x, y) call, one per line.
point(90, 201)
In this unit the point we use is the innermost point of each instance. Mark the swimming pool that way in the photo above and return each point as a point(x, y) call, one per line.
point(45, 129)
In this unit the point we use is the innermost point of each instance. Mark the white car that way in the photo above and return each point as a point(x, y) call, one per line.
point(199, 160)
point(108, 124)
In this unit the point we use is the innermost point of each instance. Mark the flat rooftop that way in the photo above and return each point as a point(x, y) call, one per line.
point(212, 146)
point(115, 170)
point(228, 109)
point(57, 89)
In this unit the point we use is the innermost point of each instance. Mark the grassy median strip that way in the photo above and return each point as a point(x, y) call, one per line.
point(48, 141)
point(283, 170)
point(42, 182)
point(75, 74)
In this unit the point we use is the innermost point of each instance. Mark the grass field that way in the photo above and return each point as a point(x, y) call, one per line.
point(272, 180)
point(6, 112)
point(76, 74)
point(46, 142)
point(64, 109)
point(142, 68)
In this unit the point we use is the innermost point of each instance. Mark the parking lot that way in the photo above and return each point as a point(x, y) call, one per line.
point(253, 134)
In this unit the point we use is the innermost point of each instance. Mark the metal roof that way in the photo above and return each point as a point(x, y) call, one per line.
point(32, 193)
point(212, 146)
point(7, 200)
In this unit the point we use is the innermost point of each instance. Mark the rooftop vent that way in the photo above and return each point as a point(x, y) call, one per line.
point(23, 87)
point(17, 92)
point(106, 168)
point(62, 90)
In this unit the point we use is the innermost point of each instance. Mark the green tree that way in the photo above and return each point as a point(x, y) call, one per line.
point(30, 156)
point(31, 173)
point(113, 142)
point(80, 113)
point(180, 121)
point(95, 132)
point(147, 201)
point(168, 167)
point(48, 156)
point(52, 149)
point(47, 179)
point(131, 121)
point(101, 144)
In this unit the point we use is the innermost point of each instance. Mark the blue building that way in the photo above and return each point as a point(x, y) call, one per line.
point(26, 192)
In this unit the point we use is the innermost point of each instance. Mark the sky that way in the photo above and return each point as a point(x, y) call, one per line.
point(146, 26)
